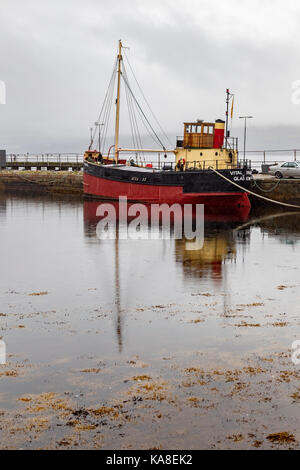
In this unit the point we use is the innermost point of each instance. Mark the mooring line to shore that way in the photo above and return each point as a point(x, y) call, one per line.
point(254, 194)
point(267, 190)
point(39, 182)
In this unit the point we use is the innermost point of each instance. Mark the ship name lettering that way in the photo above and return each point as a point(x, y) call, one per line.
point(239, 178)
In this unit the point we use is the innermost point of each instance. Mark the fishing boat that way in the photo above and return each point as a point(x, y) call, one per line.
point(205, 168)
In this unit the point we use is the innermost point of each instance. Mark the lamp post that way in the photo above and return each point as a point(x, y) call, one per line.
point(245, 133)
point(99, 124)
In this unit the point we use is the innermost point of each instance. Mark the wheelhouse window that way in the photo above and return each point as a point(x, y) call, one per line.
point(198, 134)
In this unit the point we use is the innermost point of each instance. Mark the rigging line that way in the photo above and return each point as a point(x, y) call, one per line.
point(146, 101)
point(105, 105)
point(145, 117)
point(112, 78)
point(107, 122)
point(138, 137)
point(146, 127)
point(144, 121)
point(136, 126)
point(130, 111)
point(103, 113)
point(130, 119)
point(105, 118)
point(108, 110)
point(105, 99)
point(139, 140)
point(140, 145)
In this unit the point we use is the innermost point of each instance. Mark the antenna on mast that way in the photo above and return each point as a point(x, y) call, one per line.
point(227, 108)
point(118, 103)
point(229, 96)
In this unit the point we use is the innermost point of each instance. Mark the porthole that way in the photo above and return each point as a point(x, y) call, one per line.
point(201, 154)
point(216, 154)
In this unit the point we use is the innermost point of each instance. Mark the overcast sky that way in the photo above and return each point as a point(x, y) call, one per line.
point(57, 58)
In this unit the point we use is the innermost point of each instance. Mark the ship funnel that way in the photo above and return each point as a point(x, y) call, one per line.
point(219, 134)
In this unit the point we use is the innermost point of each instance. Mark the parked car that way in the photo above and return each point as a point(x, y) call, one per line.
point(285, 170)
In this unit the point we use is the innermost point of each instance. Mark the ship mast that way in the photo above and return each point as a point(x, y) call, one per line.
point(118, 104)
point(227, 109)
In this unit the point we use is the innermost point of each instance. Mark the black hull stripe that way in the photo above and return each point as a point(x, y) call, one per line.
point(191, 181)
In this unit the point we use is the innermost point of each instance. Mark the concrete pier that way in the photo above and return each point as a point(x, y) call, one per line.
point(283, 190)
point(41, 182)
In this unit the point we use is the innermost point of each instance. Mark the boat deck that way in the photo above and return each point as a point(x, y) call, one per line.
point(135, 168)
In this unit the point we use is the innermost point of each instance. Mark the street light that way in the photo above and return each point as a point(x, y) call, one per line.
point(99, 124)
point(245, 133)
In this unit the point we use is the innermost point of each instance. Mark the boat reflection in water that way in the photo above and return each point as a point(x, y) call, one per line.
point(206, 260)
point(212, 222)
point(200, 258)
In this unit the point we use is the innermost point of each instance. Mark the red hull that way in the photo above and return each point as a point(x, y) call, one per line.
point(107, 189)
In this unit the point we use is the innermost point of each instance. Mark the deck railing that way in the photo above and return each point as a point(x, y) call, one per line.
point(192, 166)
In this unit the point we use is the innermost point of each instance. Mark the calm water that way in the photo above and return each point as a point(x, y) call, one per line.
point(189, 343)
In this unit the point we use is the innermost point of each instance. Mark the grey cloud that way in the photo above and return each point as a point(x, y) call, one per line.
point(56, 61)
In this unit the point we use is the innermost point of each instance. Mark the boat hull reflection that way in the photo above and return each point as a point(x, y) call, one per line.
point(92, 207)
point(199, 258)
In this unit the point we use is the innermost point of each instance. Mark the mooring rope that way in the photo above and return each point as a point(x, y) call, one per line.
point(39, 182)
point(254, 194)
point(267, 190)
point(47, 184)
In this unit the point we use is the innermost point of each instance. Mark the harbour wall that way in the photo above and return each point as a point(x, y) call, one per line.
point(70, 182)
point(41, 182)
point(283, 190)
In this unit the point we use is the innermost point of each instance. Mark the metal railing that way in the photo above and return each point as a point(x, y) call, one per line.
point(206, 164)
point(44, 158)
point(270, 157)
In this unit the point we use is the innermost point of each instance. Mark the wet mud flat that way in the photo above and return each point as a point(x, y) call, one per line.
point(190, 349)
point(191, 399)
